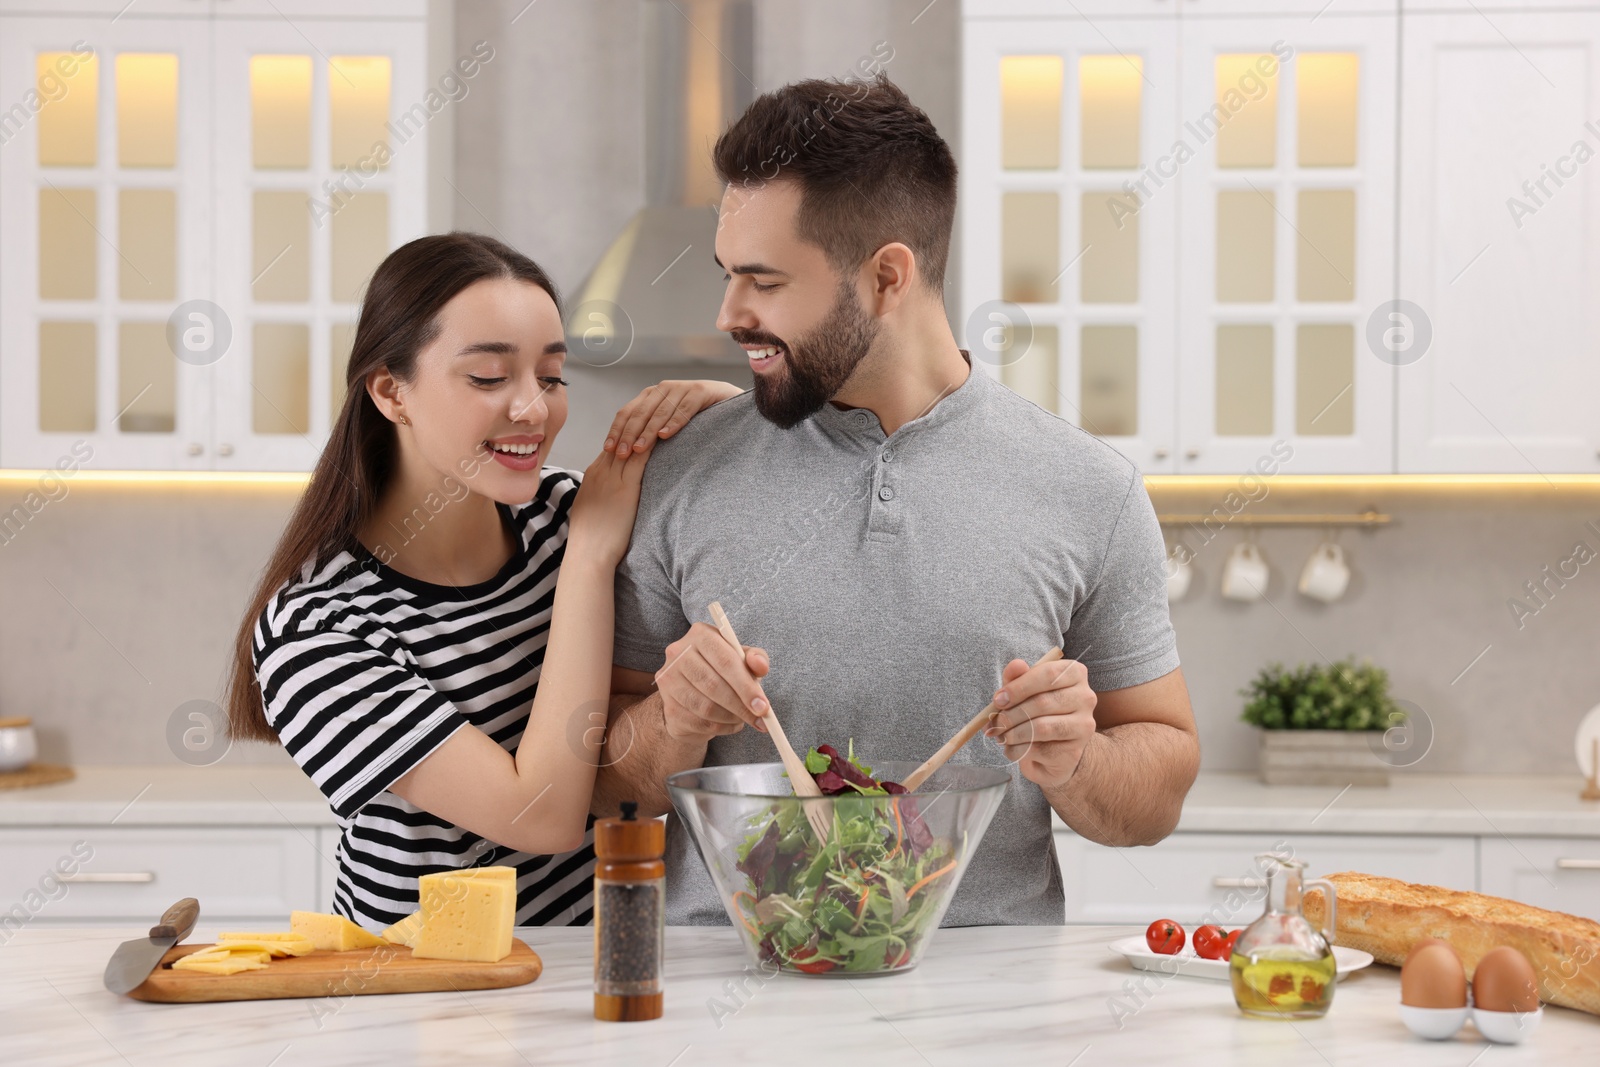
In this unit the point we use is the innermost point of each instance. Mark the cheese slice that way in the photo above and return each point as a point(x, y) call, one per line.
point(225, 964)
point(223, 959)
point(277, 944)
point(301, 946)
point(332, 932)
point(277, 935)
point(467, 915)
point(404, 932)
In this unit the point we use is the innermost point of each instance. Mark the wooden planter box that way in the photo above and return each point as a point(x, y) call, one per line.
point(1321, 757)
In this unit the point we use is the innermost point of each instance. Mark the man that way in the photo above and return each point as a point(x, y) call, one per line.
point(889, 526)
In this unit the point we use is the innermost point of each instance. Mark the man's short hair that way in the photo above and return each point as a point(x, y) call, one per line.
point(870, 166)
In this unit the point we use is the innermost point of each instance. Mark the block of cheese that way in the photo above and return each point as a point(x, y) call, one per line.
point(467, 915)
point(1385, 916)
point(404, 932)
point(333, 932)
point(493, 874)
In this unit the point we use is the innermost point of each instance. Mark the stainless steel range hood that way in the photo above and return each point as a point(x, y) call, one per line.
point(654, 294)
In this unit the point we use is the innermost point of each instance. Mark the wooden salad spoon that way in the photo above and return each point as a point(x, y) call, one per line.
point(800, 780)
point(963, 735)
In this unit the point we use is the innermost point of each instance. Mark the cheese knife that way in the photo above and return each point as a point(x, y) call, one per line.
point(133, 961)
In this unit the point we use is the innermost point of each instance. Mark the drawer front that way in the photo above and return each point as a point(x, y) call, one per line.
point(1559, 873)
point(134, 873)
point(1193, 877)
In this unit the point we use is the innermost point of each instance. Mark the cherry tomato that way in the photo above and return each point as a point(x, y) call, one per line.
point(815, 966)
point(1164, 936)
point(892, 960)
point(1228, 943)
point(1209, 942)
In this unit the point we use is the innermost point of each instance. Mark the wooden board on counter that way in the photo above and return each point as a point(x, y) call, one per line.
point(388, 969)
point(35, 774)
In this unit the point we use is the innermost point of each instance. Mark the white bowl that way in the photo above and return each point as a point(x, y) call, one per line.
point(1435, 1024)
point(17, 747)
point(1507, 1027)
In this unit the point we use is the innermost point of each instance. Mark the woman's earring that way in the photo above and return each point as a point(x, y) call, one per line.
point(404, 421)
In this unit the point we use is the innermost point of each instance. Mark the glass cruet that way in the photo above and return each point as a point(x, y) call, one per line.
point(1282, 967)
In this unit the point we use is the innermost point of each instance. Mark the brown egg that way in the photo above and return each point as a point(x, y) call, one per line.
point(1505, 981)
point(1433, 977)
point(1429, 941)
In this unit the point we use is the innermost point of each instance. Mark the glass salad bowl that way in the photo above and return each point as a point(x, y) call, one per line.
point(867, 900)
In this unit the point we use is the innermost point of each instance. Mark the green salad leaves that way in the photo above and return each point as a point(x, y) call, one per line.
point(862, 901)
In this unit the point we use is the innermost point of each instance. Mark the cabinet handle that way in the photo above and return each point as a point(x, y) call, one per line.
point(1237, 883)
point(1578, 865)
point(195, 448)
point(224, 449)
point(128, 877)
point(1191, 453)
point(1162, 453)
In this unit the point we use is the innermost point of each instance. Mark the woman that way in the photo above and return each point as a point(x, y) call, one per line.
point(412, 610)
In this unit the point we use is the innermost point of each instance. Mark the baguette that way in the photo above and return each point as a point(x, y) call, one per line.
point(1385, 916)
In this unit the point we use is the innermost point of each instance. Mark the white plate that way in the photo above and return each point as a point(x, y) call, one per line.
point(1186, 962)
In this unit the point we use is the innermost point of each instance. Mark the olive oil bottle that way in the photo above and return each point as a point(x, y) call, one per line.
point(1283, 967)
point(1278, 986)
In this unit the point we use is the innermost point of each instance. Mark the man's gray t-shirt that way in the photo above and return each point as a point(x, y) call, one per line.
point(890, 580)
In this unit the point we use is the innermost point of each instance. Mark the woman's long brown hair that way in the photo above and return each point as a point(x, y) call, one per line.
point(399, 317)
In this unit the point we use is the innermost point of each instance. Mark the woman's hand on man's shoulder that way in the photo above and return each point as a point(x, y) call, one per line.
point(661, 411)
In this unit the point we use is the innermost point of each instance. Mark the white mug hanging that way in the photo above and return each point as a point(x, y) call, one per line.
point(1244, 576)
point(1180, 572)
point(1326, 574)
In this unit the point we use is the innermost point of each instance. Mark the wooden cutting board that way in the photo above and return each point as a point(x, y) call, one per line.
point(388, 969)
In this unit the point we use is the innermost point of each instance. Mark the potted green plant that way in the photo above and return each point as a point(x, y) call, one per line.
point(1322, 724)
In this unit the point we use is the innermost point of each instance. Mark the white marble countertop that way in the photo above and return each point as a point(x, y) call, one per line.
point(1465, 804)
point(135, 795)
point(1016, 995)
point(245, 794)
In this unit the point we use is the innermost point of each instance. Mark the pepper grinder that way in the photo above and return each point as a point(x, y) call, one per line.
point(629, 913)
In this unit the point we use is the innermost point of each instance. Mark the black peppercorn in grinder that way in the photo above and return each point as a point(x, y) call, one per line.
point(629, 912)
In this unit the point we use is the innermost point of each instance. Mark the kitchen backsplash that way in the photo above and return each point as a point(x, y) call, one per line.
point(122, 603)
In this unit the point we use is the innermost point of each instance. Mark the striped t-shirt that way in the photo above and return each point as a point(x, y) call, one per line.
point(364, 671)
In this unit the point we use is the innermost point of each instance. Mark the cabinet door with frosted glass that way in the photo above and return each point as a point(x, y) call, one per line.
point(1287, 242)
point(320, 158)
point(1069, 220)
point(1500, 243)
point(105, 224)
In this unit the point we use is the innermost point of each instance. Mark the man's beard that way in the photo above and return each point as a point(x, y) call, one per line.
point(816, 368)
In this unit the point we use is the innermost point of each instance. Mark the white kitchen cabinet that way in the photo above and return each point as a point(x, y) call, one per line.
point(1499, 241)
point(188, 217)
point(292, 280)
point(1191, 219)
point(1067, 279)
point(1286, 244)
point(1559, 873)
point(99, 873)
point(1414, 304)
point(1189, 876)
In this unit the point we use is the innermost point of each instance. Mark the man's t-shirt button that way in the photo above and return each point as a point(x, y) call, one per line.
point(886, 493)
